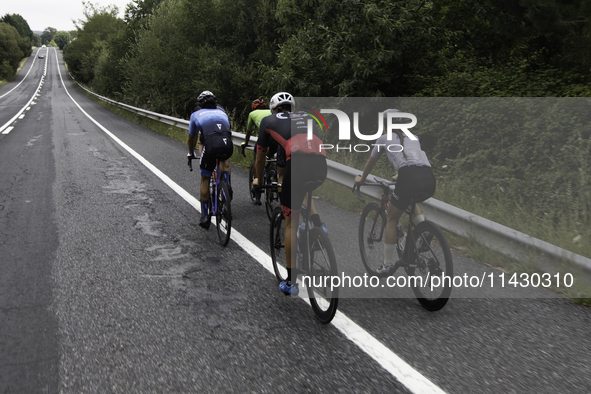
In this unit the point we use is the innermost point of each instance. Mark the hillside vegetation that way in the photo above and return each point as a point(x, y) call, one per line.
point(522, 163)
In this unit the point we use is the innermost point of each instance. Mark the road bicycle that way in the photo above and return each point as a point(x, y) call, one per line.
point(219, 202)
point(315, 259)
point(270, 175)
point(423, 250)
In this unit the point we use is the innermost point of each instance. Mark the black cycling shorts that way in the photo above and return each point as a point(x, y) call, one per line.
point(413, 181)
point(307, 168)
point(216, 147)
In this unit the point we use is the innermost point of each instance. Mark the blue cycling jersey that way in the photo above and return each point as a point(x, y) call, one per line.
point(208, 121)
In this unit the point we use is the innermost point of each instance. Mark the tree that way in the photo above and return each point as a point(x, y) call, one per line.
point(353, 48)
point(21, 25)
point(81, 54)
point(47, 35)
point(10, 51)
point(61, 38)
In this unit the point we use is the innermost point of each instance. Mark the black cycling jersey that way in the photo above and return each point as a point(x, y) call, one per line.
point(290, 131)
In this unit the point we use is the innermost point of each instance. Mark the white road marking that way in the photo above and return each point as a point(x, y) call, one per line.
point(19, 113)
point(408, 376)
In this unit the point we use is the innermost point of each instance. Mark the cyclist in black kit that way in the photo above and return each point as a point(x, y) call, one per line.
point(289, 130)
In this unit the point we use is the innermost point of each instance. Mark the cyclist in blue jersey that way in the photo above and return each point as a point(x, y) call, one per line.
point(211, 127)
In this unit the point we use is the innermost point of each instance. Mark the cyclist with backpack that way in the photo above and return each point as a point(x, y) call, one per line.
point(211, 127)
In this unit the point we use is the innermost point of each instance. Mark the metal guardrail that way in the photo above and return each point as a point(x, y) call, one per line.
point(542, 255)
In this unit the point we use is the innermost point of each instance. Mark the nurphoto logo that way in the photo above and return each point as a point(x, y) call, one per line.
point(393, 122)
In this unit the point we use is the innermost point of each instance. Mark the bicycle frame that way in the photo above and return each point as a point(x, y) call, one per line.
point(213, 187)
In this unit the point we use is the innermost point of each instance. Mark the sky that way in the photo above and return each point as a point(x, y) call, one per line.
point(58, 14)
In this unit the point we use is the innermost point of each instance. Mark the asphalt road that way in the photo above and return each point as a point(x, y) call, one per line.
point(107, 283)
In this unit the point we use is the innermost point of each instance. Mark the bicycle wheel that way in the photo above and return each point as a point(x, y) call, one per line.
point(277, 242)
point(271, 195)
point(224, 214)
point(372, 226)
point(323, 266)
point(433, 259)
point(250, 179)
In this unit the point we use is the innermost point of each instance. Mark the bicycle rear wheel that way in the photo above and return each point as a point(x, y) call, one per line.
point(323, 266)
point(433, 258)
point(277, 242)
point(224, 214)
point(372, 226)
point(271, 195)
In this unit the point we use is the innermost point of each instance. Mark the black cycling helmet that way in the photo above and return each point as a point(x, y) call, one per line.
point(259, 104)
point(206, 97)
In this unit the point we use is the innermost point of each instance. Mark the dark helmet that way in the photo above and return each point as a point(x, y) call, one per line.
point(259, 104)
point(206, 97)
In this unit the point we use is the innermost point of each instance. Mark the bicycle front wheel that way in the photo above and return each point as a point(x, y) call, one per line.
point(372, 226)
point(271, 195)
point(433, 259)
point(323, 265)
point(277, 242)
point(224, 214)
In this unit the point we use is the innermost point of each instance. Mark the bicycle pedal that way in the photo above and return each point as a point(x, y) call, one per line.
point(385, 270)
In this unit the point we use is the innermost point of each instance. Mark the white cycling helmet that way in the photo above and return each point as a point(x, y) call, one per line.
point(386, 112)
point(281, 99)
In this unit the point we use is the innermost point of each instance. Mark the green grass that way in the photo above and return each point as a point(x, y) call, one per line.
point(21, 64)
point(569, 236)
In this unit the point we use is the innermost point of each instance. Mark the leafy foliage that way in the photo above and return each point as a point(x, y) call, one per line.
point(167, 51)
point(13, 48)
point(81, 54)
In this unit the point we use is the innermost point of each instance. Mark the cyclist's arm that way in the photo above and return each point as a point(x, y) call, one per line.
point(193, 137)
point(250, 126)
point(366, 171)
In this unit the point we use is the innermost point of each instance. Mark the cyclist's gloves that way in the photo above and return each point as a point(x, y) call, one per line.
point(242, 148)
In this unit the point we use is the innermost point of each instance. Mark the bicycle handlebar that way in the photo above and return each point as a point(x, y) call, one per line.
point(190, 160)
point(383, 184)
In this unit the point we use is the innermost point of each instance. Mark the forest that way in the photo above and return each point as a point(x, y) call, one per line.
point(16, 39)
point(531, 174)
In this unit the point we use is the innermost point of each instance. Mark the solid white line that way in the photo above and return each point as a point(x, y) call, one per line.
point(408, 376)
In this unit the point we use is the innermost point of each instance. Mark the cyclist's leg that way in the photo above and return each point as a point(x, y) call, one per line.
point(225, 176)
point(280, 164)
point(390, 235)
point(206, 167)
